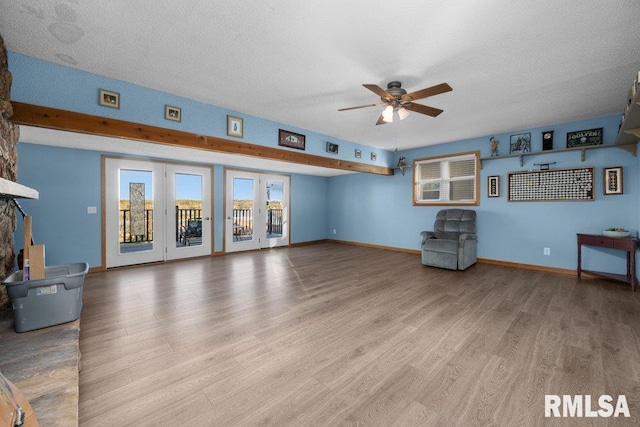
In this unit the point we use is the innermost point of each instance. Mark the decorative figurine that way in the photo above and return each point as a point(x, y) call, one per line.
point(494, 146)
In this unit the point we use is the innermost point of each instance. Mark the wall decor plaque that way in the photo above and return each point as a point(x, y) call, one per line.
point(583, 138)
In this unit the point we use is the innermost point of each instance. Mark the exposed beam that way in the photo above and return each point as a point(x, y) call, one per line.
point(52, 118)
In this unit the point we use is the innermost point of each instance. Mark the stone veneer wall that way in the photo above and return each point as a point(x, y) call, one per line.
point(9, 134)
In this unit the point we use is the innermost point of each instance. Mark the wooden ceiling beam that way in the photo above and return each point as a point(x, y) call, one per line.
point(52, 118)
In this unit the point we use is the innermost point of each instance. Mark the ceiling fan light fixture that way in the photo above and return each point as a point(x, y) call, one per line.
point(403, 113)
point(387, 114)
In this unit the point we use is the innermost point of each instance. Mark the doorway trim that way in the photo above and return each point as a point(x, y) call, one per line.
point(164, 163)
point(261, 175)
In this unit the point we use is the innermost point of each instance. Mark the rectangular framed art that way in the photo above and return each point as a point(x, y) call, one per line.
point(493, 186)
point(583, 138)
point(612, 181)
point(235, 126)
point(291, 139)
point(109, 99)
point(332, 148)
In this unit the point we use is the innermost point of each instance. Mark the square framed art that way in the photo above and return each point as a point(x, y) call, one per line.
point(520, 143)
point(172, 113)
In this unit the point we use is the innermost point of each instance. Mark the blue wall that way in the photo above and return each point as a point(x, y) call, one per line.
point(360, 208)
point(378, 210)
point(69, 180)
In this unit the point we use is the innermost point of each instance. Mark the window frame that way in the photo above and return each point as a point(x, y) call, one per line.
point(447, 158)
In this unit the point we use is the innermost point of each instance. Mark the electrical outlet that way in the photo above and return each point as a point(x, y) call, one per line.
point(92, 209)
point(334, 231)
point(547, 251)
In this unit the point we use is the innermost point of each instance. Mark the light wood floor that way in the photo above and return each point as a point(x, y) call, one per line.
point(332, 334)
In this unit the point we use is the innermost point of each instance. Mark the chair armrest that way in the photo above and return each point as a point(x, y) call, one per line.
point(426, 235)
point(463, 237)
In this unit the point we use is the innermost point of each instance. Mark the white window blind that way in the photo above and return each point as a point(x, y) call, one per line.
point(446, 180)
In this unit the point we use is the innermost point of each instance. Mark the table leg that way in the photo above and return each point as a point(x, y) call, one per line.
point(631, 265)
point(579, 259)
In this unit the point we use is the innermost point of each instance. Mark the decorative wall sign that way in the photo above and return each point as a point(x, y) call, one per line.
point(493, 186)
point(332, 148)
point(109, 99)
point(291, 139)
point(551, 185)
point(172, 113)
point(520, 143)
point(612, 180)
point(584, 137)
point(235, 126)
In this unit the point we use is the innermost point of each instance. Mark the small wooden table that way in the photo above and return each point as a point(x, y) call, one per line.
point(627, 244)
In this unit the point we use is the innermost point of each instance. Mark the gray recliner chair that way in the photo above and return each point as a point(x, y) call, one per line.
point(452, 243)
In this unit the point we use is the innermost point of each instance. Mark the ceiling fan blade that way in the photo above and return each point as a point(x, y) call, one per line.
point(430, 91)
point(381, 121)
point(378, 91)
point(423, 109)
point(361, 106)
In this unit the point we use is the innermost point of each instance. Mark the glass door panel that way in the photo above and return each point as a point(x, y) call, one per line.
point(257, 208)
point(134, 212)
point(188, 211)
point(242, 228)
point(275, 193)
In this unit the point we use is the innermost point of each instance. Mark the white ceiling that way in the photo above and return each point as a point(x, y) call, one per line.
point(513, 64)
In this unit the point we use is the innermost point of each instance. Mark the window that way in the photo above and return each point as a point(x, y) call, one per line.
point(451, 180)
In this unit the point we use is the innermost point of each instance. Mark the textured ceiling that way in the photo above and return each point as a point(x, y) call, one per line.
point(512, 64)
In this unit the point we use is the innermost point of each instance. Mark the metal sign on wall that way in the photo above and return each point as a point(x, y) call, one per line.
point(552, 185)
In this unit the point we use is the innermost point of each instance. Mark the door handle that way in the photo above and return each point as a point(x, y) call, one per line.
point(206, 218)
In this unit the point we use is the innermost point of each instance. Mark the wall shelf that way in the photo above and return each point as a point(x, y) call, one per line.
point(629, 146)
point(627, 138)
point(629, 132)
point(13, 190)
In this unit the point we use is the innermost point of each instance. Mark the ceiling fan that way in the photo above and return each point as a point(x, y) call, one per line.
point(397, 99)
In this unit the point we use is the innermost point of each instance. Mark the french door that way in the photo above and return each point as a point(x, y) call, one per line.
point(257, 210)
point(155, 211)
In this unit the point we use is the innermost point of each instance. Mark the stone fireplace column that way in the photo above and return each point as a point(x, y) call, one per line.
point(9, 134)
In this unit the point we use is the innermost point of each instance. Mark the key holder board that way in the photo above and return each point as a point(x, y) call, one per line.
point(569, 185)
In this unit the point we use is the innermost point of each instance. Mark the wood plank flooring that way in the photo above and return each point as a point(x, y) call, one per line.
point(333, 334)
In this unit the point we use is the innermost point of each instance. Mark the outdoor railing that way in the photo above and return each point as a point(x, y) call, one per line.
point(184, 217)
point(242, 221)
point(125, 230)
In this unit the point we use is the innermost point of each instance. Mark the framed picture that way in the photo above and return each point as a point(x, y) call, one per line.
point(358, 154)
point(374, 156)
point(235, 126)
point(109, 99)
point(332, 148)
point(612, 180)
point(291, 139)
point(172, 113)
point(582, 138)
point(520, 143)
point(493, 186)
